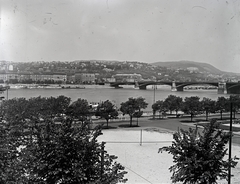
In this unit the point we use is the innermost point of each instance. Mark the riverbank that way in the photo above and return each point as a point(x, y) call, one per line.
point(45, 86)
point(106, 85)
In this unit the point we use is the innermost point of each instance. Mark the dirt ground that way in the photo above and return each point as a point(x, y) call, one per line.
point(137, 150)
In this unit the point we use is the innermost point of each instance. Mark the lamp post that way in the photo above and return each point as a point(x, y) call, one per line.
point(7, 92)
point(230, 143)
point(154, 88)
point(6, 88)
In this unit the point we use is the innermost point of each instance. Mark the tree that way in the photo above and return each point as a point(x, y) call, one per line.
point(155, 108)
point(137, 115)
point(35, 150)
point(10, 172)
point(132, 106)
point(69, 154)
point(79, 110)
point(38, 107)
point(59, 105)
point(141, 104)
point(192, 106)
point(174, 103)
point(107, 110)
point(12, 135)
point(200, 158)
point(221, 105)
point(14, 110)
point(208, 106)
point(160, 106)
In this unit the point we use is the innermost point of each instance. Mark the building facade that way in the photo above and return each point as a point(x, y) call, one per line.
point(85, 78)
point(13, 77)
point(127, 77)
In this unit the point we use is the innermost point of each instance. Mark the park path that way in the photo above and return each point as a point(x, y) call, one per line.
point(167, 124)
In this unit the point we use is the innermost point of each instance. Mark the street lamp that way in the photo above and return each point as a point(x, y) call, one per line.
point(7, 92)
point(154, 88)
point(230, 143)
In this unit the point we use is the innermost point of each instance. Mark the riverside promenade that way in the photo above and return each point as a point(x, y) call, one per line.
point(169, 124)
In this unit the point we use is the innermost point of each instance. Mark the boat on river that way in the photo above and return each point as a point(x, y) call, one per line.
point(73, 87)
point(18, 87)
point(44, 86)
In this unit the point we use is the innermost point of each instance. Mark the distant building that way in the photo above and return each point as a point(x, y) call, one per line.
point(11, 76)
point(24, 76)
point(193, 69)
point(109, 79)
point(127, 77)
point(71, 78)
point(5, 66)
point(34, 77)
point(45, 76)
point(3, 77)
point(85, 78)
point(59, 77)
point(10, 67)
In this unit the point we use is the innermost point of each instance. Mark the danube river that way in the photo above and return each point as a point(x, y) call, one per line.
point(95, 93)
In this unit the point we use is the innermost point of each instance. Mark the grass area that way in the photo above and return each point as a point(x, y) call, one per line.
point(224, 127)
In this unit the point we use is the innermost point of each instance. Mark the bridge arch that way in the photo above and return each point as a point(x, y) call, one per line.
point(181, 85)
point(144, 84)
point(233, 88)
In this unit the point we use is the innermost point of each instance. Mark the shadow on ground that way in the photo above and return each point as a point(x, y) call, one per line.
point(128, 126)
point(109, 127)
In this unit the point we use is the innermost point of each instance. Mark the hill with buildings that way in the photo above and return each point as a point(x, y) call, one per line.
point(190, 65)
point(100, 70)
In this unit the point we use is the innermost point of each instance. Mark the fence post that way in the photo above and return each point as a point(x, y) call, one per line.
point(141, 137)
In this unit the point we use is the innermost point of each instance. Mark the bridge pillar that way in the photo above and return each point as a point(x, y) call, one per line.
point(180, 88)
point(114, 85)
point(173, 86)
point(136, 84)
point(222, 88)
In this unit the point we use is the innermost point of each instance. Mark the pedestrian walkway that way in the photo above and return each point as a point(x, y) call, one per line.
point(170, 124)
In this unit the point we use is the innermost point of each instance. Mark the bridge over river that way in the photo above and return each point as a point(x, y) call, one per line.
point(223, 87)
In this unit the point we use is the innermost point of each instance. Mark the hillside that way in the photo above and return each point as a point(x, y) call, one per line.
point(202, 67)
point(166, 71)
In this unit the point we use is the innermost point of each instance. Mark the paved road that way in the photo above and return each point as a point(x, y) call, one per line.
point(174, 124)
point(171, 124)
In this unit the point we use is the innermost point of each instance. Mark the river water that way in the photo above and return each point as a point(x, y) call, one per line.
point(95, 93)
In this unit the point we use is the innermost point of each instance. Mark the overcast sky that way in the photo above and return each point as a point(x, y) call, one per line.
point(126, 30)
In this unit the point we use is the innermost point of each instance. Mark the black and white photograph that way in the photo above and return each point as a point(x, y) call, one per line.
point(119, 91)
